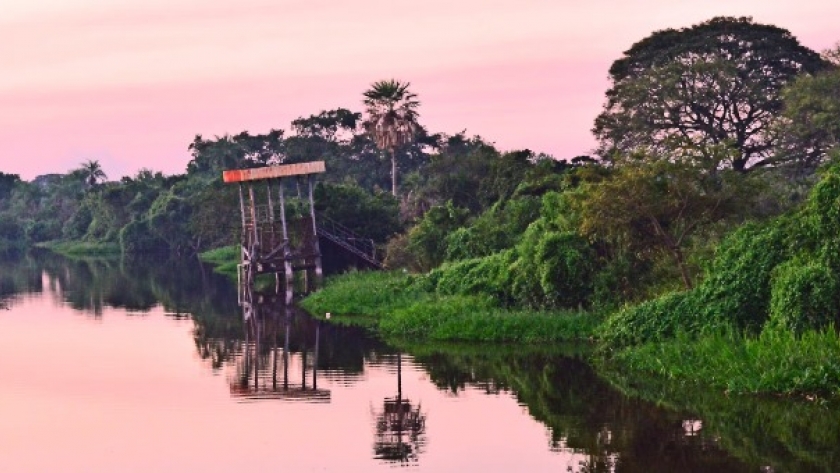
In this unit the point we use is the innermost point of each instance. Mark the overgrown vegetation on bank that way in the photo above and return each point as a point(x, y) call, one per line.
point(401, 308)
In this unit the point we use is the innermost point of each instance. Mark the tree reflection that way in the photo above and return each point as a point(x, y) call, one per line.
point(263, 370)
point(400, 427)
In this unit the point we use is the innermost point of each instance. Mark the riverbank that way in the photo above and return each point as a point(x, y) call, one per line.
point(397, 307)
point(771, 362)
point(774, 362)
point(81, 248)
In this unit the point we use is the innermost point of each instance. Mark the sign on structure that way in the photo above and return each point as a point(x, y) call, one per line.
point(284, 170)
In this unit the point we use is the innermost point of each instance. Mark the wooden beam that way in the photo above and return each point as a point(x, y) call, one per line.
point(270, 172)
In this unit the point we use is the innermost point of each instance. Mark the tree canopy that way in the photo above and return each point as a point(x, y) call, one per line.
point(715, 83)
point(810, 121)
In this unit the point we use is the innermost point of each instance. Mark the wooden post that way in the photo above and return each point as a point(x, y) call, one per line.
point(287, 261)
point(318, 270)
point(315, 361)
point(286, 354)
point(255, 232)
point(243, 249)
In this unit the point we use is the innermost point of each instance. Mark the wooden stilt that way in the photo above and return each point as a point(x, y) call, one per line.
point(319, 275)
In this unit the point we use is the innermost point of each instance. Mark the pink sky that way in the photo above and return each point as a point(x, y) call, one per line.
point(131, 82)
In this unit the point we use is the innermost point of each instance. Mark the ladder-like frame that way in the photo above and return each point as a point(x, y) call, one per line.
point(267, 244)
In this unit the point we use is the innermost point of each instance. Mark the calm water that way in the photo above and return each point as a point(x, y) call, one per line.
point(140, 365)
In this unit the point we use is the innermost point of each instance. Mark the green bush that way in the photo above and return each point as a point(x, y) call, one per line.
point(776, 361)
point(136, 237)
point(427, 240)
point(40, 231)
point(495, 230)
point(565, 268)
point(553, 269)
point(76, 227)
point(738, 288)
point(805, 296)
point(736, 294)
point(654, 320)
point(489, 275)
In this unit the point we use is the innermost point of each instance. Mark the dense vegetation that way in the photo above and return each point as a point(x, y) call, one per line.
point(703, 219)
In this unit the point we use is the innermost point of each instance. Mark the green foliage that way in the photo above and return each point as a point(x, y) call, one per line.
point(804, 296)
point(823, 211)
point(735, 294)
point(40, 231)
point(738, 289)
point(427, 240)
point(372, 215)
point(11, 234)
point(478, 319)
point(7, 184)
point(168, 220)
point(212, 156)
point(552, 269)
point(693, 84)
point(785, 269)
point(76, 226)
point(494, 230)
point(810, 124)
point(774, 362)
point(652, 321)
point(564, 269)
point(373, 293)
point(225, 260)
point(136, 237)
point(489, 276)
point(83, 248)
point(654, 205)
point(405, 307)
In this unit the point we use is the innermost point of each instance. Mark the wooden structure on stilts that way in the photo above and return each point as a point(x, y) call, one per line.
point(271, 242)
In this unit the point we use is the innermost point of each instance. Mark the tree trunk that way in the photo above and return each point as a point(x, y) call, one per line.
point(678, 256)
point(393, 172)
point(676, 252)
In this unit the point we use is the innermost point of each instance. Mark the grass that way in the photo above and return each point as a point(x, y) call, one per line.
point(224, 259)
point(82, 248)
point(369, 293)
point(775, 362)
point(399, 309)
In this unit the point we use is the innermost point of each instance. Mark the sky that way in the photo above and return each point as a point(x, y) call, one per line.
point(130, 83)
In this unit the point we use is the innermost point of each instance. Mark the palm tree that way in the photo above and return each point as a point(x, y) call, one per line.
point(392, 118)
point(92, 172)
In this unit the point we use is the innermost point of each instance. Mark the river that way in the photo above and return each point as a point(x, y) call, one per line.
point(148, 365)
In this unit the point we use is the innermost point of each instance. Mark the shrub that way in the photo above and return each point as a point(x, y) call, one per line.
point(736, 294)
point(136, 237)
point(738, 288)
point(495, 230)
point(489, 275)
point(805, 296)
point(554, 269)
point(565, 267)
point(657, 319)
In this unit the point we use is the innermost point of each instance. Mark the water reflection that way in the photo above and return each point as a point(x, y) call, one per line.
point(274, 352)
point(263, 369)
point(400, 427)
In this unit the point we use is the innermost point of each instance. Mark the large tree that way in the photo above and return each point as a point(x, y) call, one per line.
point(391, 118)
point(715, 83)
